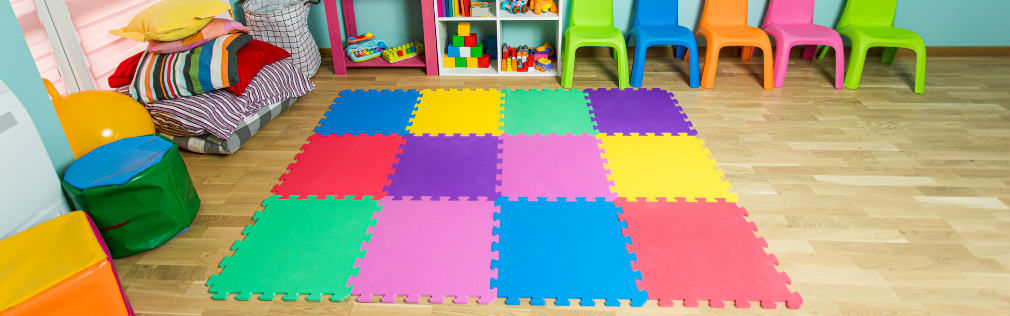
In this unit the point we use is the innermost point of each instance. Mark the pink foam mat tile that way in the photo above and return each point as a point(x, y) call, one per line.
point(701, 251)
point(430, 247)
point(552, 166)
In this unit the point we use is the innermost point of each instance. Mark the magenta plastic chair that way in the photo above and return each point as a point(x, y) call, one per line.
point(790, 23)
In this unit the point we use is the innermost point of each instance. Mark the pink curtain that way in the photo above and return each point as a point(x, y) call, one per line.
point(93, 19)
point(38, 42)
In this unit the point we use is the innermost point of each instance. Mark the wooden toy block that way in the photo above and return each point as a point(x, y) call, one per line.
point(453, 51)
point(463, 29)
point(484, 61)
point(477, 51)
point(461, 62)
point(449, 62)
point(458, 41)
point(471, 40)
point(471, 62)
point(463, 52)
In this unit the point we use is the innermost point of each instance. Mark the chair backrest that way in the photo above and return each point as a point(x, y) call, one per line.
point(592, 13)
point(789, 12)
point(656, 12)
point(868, 13)
point(724, 12)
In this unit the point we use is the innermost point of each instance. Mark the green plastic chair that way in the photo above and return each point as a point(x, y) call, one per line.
point(870, 23)
point(592, 24)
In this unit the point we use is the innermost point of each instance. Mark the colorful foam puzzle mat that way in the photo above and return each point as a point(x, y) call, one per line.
point(527, 195)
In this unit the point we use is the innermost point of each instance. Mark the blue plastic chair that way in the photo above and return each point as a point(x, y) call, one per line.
point(655, 23)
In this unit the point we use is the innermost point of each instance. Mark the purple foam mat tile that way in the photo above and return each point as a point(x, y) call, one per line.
point(460, 167)
point(638, 111)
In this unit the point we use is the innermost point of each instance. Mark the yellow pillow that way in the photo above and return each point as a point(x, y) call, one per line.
point(171, 20)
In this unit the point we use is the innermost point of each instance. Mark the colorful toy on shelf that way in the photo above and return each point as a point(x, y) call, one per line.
point(515, 6)
point(544, 64)
point(94, 118)
point(544, 51)
point(540, 6)
point(402, 52)
point(366, 50)
point(480, 9)
point(464, 52)
point(522, 58)
point(355, 39)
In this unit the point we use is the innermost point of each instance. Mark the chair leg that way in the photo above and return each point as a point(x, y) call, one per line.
point(888, 55)
point(711, 61)
point(824, 52)
point(622, 67)
point(857, 58)
point(839, 67)
point(568, 70)
point(638, 67)
point(614, 53)
point(681, 50)
point(747, 53)
point(768, 62)
point(920, 69)
point(695, 75)
point(781, 64)
point(809, 51)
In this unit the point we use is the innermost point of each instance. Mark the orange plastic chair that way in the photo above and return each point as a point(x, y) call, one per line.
point(724, 23)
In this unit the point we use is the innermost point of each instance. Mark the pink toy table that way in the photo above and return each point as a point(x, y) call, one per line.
point(340, 59)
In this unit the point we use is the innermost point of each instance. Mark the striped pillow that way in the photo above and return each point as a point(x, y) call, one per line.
point(200, 70)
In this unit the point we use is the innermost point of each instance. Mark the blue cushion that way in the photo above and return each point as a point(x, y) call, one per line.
point(117, 162)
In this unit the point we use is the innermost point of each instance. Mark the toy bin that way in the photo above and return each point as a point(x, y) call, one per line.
point(60, 267)
point(137, 190)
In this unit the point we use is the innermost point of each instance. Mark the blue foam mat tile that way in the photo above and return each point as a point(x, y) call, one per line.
point(563, 250)
point(370, 112)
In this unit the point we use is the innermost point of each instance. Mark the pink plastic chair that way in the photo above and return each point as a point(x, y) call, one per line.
point(790, 23)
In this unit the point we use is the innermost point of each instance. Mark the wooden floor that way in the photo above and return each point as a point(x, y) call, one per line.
point(876, 201)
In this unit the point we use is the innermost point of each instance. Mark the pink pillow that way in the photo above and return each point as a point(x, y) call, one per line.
point(216, 28)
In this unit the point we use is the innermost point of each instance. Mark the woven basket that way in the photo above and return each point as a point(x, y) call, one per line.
point(284, 24)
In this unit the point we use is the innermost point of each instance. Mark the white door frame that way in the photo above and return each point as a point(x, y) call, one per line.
point(66, 45)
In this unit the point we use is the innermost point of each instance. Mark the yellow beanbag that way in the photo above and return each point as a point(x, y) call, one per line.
point(171, 20)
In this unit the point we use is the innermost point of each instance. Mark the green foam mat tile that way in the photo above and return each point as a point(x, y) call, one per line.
point(547, 111)
point(297, 247)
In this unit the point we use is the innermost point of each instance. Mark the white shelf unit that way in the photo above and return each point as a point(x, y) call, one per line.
point(442, 30)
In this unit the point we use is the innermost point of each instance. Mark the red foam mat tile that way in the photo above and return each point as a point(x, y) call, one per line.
point(342, 166)
point(702, 251)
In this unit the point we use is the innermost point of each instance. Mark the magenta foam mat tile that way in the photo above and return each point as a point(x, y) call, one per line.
point(432, 247)
point(554, 166)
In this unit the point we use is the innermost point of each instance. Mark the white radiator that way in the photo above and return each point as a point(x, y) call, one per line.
point(30, 191)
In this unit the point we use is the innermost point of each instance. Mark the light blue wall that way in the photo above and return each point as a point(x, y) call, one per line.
point(395, 22)
point(940, 22)
point(17, 70)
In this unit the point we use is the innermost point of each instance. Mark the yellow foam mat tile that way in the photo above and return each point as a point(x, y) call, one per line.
point(458, 112)
point(42, 256)
point(663, 166)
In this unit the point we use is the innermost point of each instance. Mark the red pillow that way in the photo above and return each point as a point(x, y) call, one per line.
point(125, 71)
point(251, 58)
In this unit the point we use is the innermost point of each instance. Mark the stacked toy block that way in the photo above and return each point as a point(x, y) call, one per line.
point(562, 195)
point(464, 51)
point(60, 267)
